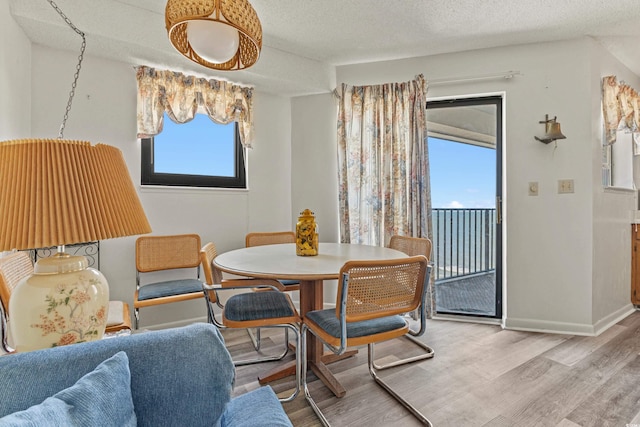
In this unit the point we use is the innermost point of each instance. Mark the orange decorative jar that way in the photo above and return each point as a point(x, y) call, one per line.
point(306, 234)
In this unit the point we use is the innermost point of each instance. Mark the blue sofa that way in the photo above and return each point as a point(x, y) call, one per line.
point(174, 377)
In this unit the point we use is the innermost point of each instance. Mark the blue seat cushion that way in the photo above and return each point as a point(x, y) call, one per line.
point(169, 288)
point(328, 321)
point(289, 282)
point(257, 305)
point(257, 408)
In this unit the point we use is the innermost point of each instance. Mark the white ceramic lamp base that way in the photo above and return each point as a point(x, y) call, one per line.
point(63, 302)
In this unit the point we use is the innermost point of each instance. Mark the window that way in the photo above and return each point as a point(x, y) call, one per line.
point(617, 162)
point(199, 153)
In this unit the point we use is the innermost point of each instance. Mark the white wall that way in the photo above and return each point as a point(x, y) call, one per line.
point(567, 258)
point(104, 110)
point(15, 84)
point(611, 208)
point(549, 274)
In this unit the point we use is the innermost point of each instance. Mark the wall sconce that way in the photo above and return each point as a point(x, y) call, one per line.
point(552, 130)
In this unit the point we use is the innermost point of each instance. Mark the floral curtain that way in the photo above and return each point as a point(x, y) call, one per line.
point(180, 96)
point(621, 110)
point(383, 163)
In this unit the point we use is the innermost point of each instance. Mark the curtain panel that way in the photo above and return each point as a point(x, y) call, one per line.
point(383, 165)
point(180, 96)
point(620, 109)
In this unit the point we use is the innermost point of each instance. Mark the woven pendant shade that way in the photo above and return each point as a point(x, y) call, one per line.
point(237, 14)
point(58, 192)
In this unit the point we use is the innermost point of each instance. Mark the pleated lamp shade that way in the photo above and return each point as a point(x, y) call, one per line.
point(60, 192)
point(56, 192)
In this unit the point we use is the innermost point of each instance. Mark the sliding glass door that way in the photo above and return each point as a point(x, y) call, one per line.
point(465, 150)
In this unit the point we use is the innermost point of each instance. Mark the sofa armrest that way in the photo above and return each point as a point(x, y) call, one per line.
point(256, 408)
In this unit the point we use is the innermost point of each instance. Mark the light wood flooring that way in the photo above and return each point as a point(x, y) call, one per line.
point(481, 375)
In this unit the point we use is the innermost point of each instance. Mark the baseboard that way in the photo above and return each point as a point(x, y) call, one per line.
point(610, 320)
point(549, 327)
point(534, 325)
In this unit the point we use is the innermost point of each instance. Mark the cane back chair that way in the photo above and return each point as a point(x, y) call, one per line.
point(167, 254)
point(372, 296)
point(251, 309)
point(413, 246)
point(271, 238)
point(13, 268)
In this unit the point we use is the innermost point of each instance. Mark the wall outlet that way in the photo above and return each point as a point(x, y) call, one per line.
point(533, 188)
point(565, 186)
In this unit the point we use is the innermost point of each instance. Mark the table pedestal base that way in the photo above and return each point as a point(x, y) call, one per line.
point(318, 368)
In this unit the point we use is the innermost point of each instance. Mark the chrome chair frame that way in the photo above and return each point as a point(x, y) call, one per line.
point(404, 246)
point(168, 255)
point(269, 238)
point(212, 318)
point(342, 347)
point(211, 289)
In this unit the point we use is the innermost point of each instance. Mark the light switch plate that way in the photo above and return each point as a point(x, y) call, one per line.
point(565, 186)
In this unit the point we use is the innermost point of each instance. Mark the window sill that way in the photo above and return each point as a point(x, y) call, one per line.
point(189, 190)
point(619, 190)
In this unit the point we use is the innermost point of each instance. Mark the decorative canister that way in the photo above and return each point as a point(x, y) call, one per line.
point(306, 234)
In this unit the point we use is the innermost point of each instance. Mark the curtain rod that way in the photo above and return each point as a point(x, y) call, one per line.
point(507, 75)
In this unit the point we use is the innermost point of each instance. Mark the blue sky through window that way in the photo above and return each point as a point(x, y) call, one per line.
point(462, 175)
point(199, 147)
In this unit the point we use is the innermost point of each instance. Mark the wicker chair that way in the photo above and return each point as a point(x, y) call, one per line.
point(271, 238)
point(166, 254)
point(251, 309)
point(13, 268)
point(412, 246)
point(371, 297)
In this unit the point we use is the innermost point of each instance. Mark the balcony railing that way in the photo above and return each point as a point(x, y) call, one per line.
point(463, 241)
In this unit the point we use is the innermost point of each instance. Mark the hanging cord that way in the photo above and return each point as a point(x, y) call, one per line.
point(78, 67)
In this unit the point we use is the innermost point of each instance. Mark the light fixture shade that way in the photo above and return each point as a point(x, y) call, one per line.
point(56, 192)
point(238, 14)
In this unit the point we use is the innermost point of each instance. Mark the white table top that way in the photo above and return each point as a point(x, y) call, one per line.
point(281, 261)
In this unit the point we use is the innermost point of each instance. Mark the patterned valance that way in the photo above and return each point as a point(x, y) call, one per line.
point(180, 96)
point(620, 108)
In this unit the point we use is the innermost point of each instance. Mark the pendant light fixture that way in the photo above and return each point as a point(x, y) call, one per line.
point(218, 34)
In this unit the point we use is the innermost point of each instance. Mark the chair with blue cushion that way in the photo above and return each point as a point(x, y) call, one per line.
point(271, 238)
point(173, 256)
point(251, 309)
point(412, 246)
point(372, 297)
point(13, 268)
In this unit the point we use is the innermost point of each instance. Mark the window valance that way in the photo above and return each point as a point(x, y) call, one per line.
point(180, 96)
point(620, 108)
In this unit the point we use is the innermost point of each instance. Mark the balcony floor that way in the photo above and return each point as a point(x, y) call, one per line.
point(473, 295)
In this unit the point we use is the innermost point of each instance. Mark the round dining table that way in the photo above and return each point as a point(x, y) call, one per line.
point(281, 262)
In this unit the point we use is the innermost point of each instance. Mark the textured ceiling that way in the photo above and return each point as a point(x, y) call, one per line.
point(304, 39)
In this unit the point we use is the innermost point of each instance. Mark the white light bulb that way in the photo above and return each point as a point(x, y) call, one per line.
point(213, 41)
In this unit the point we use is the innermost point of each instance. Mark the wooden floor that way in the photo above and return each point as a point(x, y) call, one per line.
point(481, 375)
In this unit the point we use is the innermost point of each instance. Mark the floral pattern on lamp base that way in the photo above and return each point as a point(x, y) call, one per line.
point(50, 310)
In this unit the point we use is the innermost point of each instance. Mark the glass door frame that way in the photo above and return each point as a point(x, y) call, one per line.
point(498, 101)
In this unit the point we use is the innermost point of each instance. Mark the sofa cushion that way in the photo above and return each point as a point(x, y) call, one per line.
point(100, 398)
point(259, 407)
